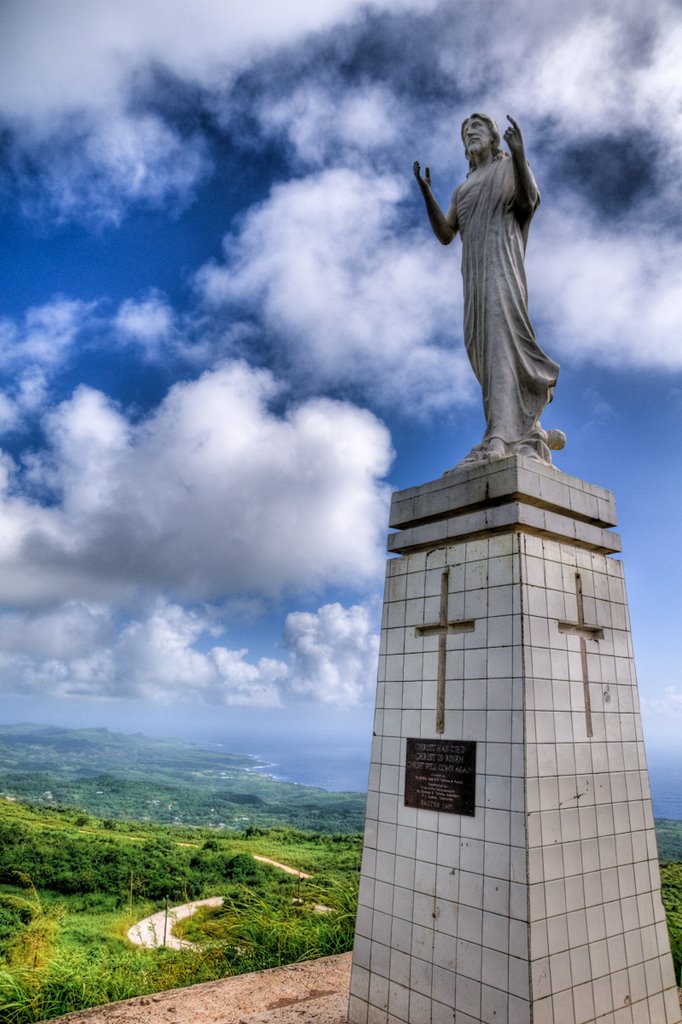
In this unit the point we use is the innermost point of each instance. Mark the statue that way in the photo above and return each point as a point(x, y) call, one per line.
point(492, 210)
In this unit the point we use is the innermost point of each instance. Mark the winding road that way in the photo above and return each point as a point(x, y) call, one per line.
point(157, 929)
point(151, 931)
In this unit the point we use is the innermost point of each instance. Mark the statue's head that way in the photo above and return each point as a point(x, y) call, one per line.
point(481, 124)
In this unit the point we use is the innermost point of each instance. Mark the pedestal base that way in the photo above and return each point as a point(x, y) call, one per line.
point(506, 633)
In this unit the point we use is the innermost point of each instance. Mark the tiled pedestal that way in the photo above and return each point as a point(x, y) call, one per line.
point(544, 905)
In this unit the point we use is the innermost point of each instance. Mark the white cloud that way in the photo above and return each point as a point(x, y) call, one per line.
point(323, 124)
point(334, 653)
point(575, 73)
point(165, 656)
point(77, 650)
point(214, 494)
point(67, 631)
point(93, 169)
point(157, 659)
point(47, 335)
point(22, 399)
point(350, 297)
point(247, 684)
point(32, 350)
point(605, 295)
point(86, 52)
point(603, 72)
point(147, 324)
point(71, 75)
point(669, 705)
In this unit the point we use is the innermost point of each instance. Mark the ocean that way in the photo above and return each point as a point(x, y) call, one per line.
point(346, 767)
point(665, 779)
point(336, 767)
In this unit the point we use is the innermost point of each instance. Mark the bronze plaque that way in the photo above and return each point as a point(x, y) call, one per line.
point(440, 775)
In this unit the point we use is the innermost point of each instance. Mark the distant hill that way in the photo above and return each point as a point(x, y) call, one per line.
point(169, 781)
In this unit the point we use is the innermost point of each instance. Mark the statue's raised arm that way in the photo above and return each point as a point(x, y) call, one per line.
point(444, 225)
point(527, 195)
point(492, 210)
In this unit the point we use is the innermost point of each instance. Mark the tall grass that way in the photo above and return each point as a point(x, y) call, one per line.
point(76, 979)
point(257, 931)
point(89, 962)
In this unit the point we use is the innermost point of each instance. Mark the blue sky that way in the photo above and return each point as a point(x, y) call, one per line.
point(227, 333)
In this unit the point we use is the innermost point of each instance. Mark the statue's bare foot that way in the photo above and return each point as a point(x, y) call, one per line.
point(530, 452)
point(497, 449)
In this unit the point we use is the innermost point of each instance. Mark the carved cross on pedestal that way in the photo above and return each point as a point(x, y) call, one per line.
point(441, 630)
point(584, 633)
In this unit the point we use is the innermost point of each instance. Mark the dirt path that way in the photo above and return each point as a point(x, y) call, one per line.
point(157, 930)
point(282, 867)
point(151, 931)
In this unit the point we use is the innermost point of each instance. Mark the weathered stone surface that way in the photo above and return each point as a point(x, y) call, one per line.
point(516, 494)
point(545, 904)
point(491, 211)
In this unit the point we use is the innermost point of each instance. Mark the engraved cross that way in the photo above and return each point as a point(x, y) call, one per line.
point(584, 633)
point(441, 630)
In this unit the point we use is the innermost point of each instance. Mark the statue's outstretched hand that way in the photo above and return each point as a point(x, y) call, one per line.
point(514, 138)
point(426, 180)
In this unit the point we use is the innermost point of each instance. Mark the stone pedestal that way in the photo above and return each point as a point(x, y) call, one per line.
point(510, 869)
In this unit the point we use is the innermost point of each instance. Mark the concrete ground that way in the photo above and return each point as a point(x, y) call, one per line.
point(313, 992)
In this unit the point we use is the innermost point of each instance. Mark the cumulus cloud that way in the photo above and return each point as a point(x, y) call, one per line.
point(32, 350)
point(87, 53)
point(147, 324)
point(160, 662)
point(46, 336)
point(213, 494)
point(68, 631)
point(334, 654)
point(324, 125)
point(74, 82)
point(94, 170)
point(79, 649)
point(167, 656)
point(346, 294)
point(605, 296)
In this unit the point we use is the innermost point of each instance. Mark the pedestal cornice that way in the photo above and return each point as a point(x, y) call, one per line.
point(511, 495)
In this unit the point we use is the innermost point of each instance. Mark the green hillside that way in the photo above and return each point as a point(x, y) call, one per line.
point(159, 780)
point(73, 882)
point(71, 885)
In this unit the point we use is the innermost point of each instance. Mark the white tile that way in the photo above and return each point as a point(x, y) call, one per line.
point(467, 997)
point(496, 931)
point(470, 889)
point(425, 877)
point(398, 1001)
point(583, 1002)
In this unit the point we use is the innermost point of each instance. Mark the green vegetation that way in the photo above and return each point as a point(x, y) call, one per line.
point(164, 781)
point(669, 838)
point(72, 882)
point(671, 891)
point(85, 881)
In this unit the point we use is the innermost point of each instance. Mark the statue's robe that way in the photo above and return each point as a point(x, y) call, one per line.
point(515, 375)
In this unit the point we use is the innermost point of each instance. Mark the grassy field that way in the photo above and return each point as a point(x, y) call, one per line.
point(84, 881)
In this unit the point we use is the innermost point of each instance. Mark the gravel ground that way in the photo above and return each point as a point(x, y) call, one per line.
point(313, 992)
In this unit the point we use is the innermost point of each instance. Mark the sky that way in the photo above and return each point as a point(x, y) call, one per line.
point(227, 333)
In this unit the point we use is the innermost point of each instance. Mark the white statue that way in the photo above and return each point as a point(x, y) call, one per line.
point(492, 211)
